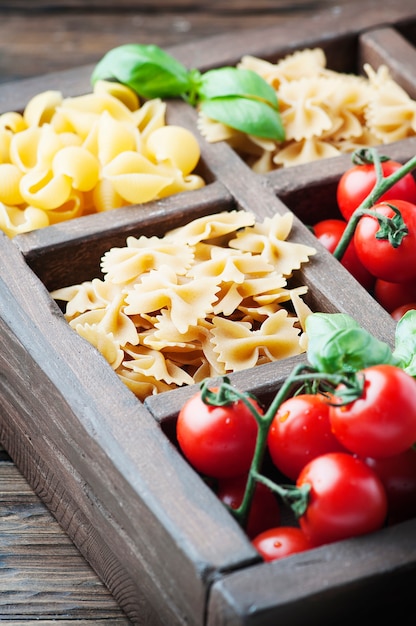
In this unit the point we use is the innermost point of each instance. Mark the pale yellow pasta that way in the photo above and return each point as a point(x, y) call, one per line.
point(79, 165)
point(208, 298)
point(305, 151)
point(269, 240)
point(10, 176)
point(73, 207)
point(181, 183)
point(15, 221)
point(188, 301)
point(87, 296)
point(12, 121)
point(152, 363)
point(300, 64)
point(105, 197)
point(5, 140)
point(302, 111)
point(150, 116)
point(212, 226)
point(110, 137)
point(44, 190)
point(104, 342)
point(92, 153)
point(135, 178)
point(391, 115)
point(140, 255)
point(111, 320)
point(174, 146)
point(239, 347)
point(119, 91)
point(41, 108)
point(142, 385)
point(324, 113)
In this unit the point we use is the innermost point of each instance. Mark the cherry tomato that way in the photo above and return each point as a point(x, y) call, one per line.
point(329, 233)
point(392, 295)
point(398, 313)
point(264, 511)
point(300, 431)
point(398, 475)
point(378, 255)
point(382, 421)
point(281, 541)
point(346, 498)
point(357, 182)
point(218, 441)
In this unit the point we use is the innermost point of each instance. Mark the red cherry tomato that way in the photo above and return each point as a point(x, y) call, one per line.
point(264, 511)
point(329, 233)
point(398, 475)
point(279, 542)
point(378, 255)
point(218, 441)
point(357, 182)
point(392, 295)
point(398, 313)
point(299, 432)
point(346, 498)
point(382, 421)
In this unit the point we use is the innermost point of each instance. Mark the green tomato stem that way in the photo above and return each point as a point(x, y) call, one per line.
point(300, 374)
point(382, 185)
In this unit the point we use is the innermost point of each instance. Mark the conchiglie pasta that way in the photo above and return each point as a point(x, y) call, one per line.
point(79, 165)
point(44, 190)
point(206, 299)
point(10, 176)
point(69, 157)
point(175, 146)
point(14, 221)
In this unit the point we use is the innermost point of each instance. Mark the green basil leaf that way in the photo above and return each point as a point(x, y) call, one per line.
point(247, 115)
point(405, 343)
point(147, 69)
point(337, 343)
point(232, 81)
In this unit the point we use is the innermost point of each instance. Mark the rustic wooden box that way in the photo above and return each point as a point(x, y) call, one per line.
point(105, 464)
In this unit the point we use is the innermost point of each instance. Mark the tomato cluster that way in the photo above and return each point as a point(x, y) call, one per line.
point(351, 463)
point(387, 271)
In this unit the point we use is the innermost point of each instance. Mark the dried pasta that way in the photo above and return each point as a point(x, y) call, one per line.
point(208, 298)
point(67, 157)
point(324, 113)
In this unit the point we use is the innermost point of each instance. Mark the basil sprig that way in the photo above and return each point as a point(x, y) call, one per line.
point(336, 342)
point(239, 98)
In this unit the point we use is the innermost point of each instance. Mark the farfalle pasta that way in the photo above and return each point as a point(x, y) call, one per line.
point(209, 298)
point(67, 157)
point(324, 113)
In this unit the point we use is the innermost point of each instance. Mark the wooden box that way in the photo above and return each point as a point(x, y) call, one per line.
point(105, 464)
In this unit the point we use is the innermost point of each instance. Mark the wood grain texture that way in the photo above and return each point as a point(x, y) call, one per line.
point(45, 37)
point(42, 574)
point(72, 439)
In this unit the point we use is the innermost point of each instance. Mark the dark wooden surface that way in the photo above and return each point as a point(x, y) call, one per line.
point(43, 578)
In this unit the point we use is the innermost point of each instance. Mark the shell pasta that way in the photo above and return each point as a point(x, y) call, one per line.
point(208, 298)
point(67, 157)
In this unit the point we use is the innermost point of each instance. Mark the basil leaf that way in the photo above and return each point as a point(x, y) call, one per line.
point(250, 116)
point(337, 343)
point(147, 69)
point(232, 81)
point(405, 343)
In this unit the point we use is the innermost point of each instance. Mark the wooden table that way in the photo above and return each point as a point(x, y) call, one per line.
point(43, 577)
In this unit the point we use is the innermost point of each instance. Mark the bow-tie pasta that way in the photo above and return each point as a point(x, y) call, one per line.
point(208, 298)
point(67, 157)
point(324, 113)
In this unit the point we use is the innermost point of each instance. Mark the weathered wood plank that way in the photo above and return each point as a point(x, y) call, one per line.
point(42, 574)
